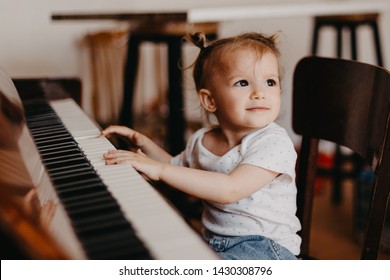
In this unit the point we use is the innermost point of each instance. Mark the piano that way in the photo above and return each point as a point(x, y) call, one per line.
point(100, 211)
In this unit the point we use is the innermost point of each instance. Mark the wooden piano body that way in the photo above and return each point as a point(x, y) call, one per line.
point(57, 193)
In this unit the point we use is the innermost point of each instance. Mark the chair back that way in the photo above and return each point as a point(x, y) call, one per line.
point(345, 102)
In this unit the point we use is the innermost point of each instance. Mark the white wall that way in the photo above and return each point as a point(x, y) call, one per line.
point(33, 45)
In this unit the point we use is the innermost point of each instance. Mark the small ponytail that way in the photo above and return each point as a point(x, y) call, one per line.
point(198, 39)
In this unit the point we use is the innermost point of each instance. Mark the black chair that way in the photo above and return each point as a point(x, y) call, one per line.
point(348, 103)
point(350, 23)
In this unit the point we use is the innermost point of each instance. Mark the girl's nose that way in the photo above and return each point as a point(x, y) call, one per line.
point(257, 94)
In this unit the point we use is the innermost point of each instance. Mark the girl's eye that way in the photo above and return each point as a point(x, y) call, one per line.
point(271, 83)
point(241, 83)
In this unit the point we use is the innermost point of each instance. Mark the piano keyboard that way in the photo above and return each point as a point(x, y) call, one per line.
point(114, 212)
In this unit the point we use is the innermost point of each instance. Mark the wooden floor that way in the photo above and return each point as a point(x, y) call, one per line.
point(333, 236)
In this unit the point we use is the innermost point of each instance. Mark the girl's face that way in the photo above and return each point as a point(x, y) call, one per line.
point(246, 90)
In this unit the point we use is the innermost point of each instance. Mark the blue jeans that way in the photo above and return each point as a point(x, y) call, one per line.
point(251, 247)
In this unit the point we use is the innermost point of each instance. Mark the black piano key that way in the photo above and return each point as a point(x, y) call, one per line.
point(59, 156)
point(52, 159)
point(44, 123)
point(71, 154)
point(43, 132)
point(97, 202)
point(96, 244)
point(54, 135)
point(95, 215)
point(95, 226)
point(65, 169)
point(50, 142)
point(95, 221)
point(103, 227)
point(106, 237)
point(90, 205)
point(76, 185)
point(81, 197)
point(88, 210)
point(117, 250)
point(61, 152)
point(103, 237)
point(75, 176)
point(69, 192)
point(40, 119)
point(63, 163)
point(55, 173)
point(70, 145)
point(71, 173)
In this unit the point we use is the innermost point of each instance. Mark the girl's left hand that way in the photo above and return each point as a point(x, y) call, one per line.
point(149, 167)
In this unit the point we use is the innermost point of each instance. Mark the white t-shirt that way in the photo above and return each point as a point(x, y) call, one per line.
point(268, 212)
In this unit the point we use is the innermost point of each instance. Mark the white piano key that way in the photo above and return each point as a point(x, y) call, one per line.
point(76, 121)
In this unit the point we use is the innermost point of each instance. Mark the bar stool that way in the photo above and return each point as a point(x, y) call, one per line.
point(170, 33)
point(350, 22)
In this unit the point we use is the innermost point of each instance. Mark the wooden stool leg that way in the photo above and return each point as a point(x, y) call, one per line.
point(314, 44)
point(176, 118)
point(339, 41)
point(336, 188)
point(130, 75)
point(353, 42)
point(375, 30)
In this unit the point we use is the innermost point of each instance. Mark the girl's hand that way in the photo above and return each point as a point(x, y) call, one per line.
point(149, 167)
point(138, 141)
point(133, 136)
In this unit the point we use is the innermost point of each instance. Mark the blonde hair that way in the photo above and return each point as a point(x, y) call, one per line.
point(212, 53)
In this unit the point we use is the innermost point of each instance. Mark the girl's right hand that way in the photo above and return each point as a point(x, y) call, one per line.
point(138, 141)
point(152, 169)
point(133, 136)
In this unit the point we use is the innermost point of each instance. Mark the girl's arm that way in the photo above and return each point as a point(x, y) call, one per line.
point(212, 186)
point(148, 146)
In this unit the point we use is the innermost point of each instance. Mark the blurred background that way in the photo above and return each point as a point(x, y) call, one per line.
point(34, 45)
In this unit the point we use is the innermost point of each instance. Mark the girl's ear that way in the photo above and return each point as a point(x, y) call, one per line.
point(207, 100)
